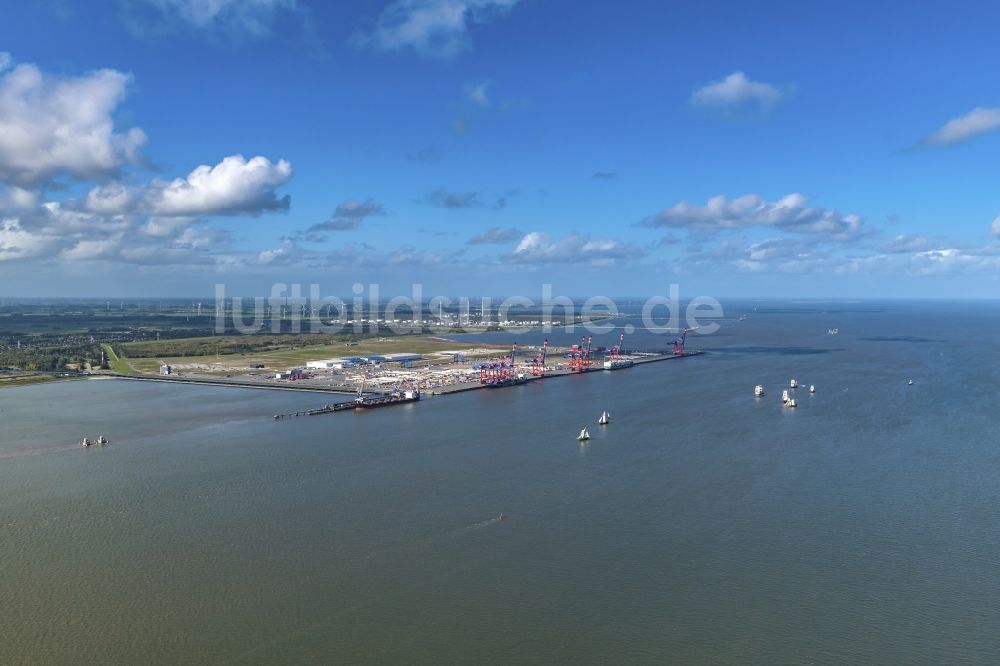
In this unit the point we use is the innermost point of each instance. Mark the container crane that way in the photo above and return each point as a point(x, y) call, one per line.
point(679, 342)
point(616, 352)
point(538, 363)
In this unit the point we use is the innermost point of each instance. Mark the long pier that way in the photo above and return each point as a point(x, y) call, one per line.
point(325, 409)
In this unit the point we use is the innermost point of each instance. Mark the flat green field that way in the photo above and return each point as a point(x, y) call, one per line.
point(283, 359)
point(116, 364)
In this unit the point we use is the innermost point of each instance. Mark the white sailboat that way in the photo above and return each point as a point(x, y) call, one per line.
point(605, 419)
point(784, 396)
point(812, 388)
point(793, 383)
point(584, 435)
point(758, 390)
point(790, 403)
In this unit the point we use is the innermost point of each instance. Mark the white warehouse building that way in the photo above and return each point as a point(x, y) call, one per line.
point(331, 364)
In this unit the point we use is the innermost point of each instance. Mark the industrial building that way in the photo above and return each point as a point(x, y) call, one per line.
point(371, 359)
point(333, 364)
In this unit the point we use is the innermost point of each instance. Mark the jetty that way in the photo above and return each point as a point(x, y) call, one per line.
point(362, 402)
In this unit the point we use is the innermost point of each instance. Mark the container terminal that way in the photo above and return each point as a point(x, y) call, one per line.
point(506, 371)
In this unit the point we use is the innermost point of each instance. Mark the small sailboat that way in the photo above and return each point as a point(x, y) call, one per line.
point(909, 383)
point(584, 435)
point(790, 403)
point(85, 442)
point(793, 384)
point(784, 396)
point(812, 388)
point(102, 441)
point(758, 390)
point(605, 419)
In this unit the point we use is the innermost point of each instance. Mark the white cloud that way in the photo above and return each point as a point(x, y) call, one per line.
point(790, 213)
point(165, 227)
point(13, 197)
point(477, 93)
point(957, 260)
point(18, 243)
point(495, 236)
point(995, 227)
point(237, 17)
point(233, 186)
point(976, 122)
point(110, 198)
point(432, 28)
point(735, 90)
point(90, 249)
point(5, 60)
point(62, 125)
point(905, 243)
point(278, 256)
point(540, 247)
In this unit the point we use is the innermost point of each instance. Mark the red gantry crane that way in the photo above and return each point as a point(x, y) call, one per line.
point(615, 353)
point(538, 363)
point(679, 342)
point(581, 355)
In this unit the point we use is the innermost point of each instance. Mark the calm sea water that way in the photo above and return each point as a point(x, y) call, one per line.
point(701, 526)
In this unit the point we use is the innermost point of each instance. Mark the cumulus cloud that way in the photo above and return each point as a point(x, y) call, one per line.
point(784, 255)
point(234, 186)
point(349, 215)
point(252, 18)
point(975, 123)
point(14, 198)
point(110, 198)
point(736, 90)
point(52, 126)
point(56, 232)
point(5, 60)
point(790, 213)
point(16, 242)
point(432, 28)
point(495, 236)
point(540, 247)
point(283, 255)
point(905, 243)
point(957, 260)
point(995, 227)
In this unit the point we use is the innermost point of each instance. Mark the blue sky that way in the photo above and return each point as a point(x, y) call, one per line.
point(158, 147)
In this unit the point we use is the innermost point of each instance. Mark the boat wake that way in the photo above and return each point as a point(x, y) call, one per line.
point(37, 450)
point(483, 523)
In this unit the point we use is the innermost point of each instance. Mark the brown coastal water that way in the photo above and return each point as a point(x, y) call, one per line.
point(701, 526)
